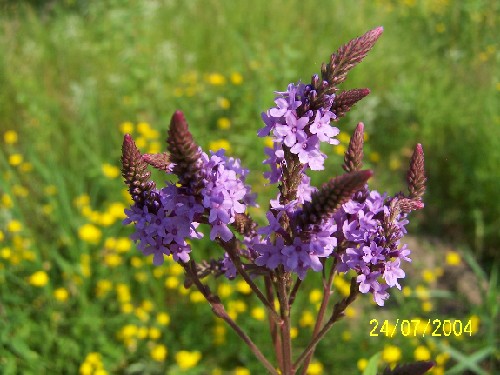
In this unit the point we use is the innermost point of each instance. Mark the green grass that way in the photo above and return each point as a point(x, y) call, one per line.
point(72, 72)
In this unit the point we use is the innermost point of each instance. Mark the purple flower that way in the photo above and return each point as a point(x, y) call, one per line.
point(364, 222)
point(393, 272)
point(276, 156)
point(164, 231)
point(299, 258)
point(270, 254)
point(321, 127)
point(308, 153)
point(293, 131)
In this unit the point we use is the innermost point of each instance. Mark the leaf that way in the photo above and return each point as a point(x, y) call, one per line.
point(371, 367)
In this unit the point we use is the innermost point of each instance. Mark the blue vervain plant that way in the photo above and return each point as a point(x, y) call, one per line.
point(339, 229)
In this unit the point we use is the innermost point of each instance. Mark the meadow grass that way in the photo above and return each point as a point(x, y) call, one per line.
point(75, 76)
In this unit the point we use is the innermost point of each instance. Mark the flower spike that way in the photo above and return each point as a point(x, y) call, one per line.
point(346, 100)
point(332, 195)
point(416, 173)
point(136, 174)
point(353, 158)
point(159, 161)
point(185, 154)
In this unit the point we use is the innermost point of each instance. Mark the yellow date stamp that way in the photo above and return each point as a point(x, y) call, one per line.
point(421, 327)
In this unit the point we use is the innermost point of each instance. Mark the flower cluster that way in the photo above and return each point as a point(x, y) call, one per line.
point(341, 226)
point(300, 130)
point(170, 215)
point(163, 229)
point(369, 250)
point(225, 193)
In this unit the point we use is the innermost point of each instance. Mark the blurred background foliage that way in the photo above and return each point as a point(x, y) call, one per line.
point(76, 75)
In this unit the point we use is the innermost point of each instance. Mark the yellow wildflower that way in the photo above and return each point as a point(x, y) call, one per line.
point(344, 137)
point(474, 319)
point(268, 142)
point(155, 147)
point(315, 368)
point(5, 252)
point(224, 290)
point(61, 294)
point(39, 278)
point(127, 308)
point(186, 360)
point(236, 78)
point(427, 306)
point(15, 159)
point(171, 282)
point(10, 137)
point(196, 296)
point(421, 353)
point(89, 233)
point(112, 260)
point(243, 287)
point(123, 244)
point(142, 333)
point(362, 363)
point(6, 201)
point(147, 305)
point(241, 371)
point(126, 127)
point(351, 312)
point(223, 123)
point(14, 226)
point(258, 313)
point(315, 296)
point(406, 291)
point(216, 79)
point(154, 333)
point(218, 144)
point(223, 103)
point(158, 352)
point(340, 149)
point(237, 305)
point(391, 354)
point(453, 258)
point(219, 334)
point(110, 171)
point(429, 276)
point(163, 318)
point(103, 287)
point(307, 319)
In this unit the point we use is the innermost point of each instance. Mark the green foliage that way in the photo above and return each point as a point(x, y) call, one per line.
point(75, 75)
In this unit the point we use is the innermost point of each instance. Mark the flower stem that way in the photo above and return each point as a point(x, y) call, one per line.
point(273, 327)
point(220, 312)
point(327, 293)
point(286, 340)
point(230, 248)
point(338, 313)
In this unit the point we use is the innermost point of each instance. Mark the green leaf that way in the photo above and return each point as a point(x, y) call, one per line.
point(371, 367)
